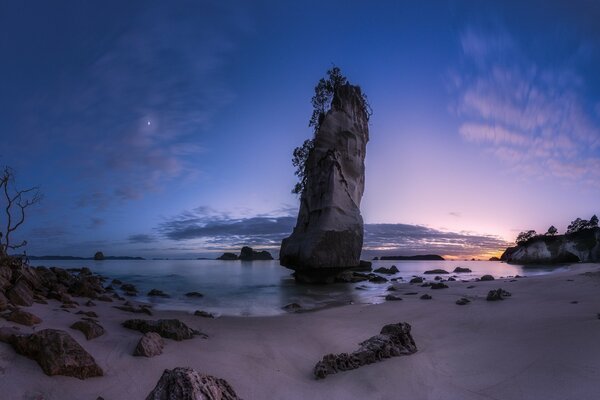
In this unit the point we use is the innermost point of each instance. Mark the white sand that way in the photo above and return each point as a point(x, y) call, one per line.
point(534, 345)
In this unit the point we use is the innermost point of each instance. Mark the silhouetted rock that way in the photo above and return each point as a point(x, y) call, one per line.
point(494, 259)
point(416, 279)
point(436, 272)
point(498, 294)
point(426, 257)
point(157, 293)
point(439, 285)
point(328, 235)
point(392, 297)
point(228, 257)
point(188, 384)
point(23, 317)
point(377, 279)
point(90, 329)
point(99, 256)
point(167, 328)
point(463, 301)
point(351, 277)
point(393, 340)
point(486, 278)
point(292, 307)
point(462, 270)
point(205, 314)
point(247, 254)
point(389, 271)
point(56, 352)
point(194, 294)
point(426, 297)
point(150, 345)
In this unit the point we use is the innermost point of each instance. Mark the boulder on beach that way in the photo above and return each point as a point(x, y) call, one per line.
point(392, 297)
point(439, 285)
point(461, 270)
point(150, 345)
point(328, 235)
point(486, 278)
point(56, 352)
point(393, 340)
point(23, 317)
point(188, 384)
point(416, 279)
point(389, 271)
point(167, 328)
point(90, 328)
point(498, 294)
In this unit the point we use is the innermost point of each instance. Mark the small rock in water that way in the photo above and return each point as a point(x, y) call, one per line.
point(391, 289)
point(462, 270)
point(157, 293)
point(389, 271)
point(426, 297)
point(128, 287)
point(188, 384)
point(486, 278)
point(292, 307)
point(411, 293)
point(498, 294)
point(194, 294)
point(437, 278)
point(451, 279)
point(377, 279)
point(463, 301)
point(392, 297)
point(470, 286)
point(436, 272)
point(417, 279)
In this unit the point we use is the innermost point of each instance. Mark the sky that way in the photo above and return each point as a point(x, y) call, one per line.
point(165, 129)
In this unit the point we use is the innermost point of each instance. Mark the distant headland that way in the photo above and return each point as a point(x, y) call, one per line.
point(424, 257)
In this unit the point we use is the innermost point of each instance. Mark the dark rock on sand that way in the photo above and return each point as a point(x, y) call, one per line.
point(463, 301)
point(436, 271)
point(136, 310)
point(292, 307)
point(439, 285)
point(194, 294)
point(461, 270)
point(393, 340)
point(188, 384)
point(205, 314)
point(389, 271)
point(377, 279)
point(90, 314)
point(486, 278)
point(416, 279)
point(157, 293)
point(392, 297)
point(90, 329)
point(23, 317)
point(56, 352)
point(90, 303)
point(426, 297)
point(167, 328)
point(150, 345)
point(498, 294)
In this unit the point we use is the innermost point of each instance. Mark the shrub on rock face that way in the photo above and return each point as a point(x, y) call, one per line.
point(188, 384)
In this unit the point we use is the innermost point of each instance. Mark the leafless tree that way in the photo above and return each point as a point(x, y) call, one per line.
point(16, 201)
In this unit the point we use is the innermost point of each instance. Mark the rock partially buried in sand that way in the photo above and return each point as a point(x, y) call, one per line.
point(486, 278)
point(426, 297)
point(90, 329)
point(188, 384)
point(56, 352)
point(498, 294)
point(23, 318)
point(167, 328)
point(393, 340)
point(150, 345)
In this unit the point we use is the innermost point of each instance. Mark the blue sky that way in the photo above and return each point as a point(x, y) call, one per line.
point(160, 129)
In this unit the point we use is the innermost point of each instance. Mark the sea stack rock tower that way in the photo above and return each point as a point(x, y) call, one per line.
point(328, 236)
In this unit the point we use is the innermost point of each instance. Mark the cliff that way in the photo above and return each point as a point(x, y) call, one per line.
point(581, 246)
point(328, 236)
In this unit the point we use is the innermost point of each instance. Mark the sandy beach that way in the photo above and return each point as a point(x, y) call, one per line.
point(536, 344)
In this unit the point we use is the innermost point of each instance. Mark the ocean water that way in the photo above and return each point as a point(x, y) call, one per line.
point(260, 288)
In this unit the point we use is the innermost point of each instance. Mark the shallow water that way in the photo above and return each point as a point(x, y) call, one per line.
point(263, 287)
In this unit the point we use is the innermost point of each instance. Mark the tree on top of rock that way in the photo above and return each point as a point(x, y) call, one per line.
point(552, 231)
point(14, 202)
point(321, 102)
point(523, 237)
point(580, 224)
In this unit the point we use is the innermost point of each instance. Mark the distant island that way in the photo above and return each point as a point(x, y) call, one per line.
point(425, 257)
point(66, 258)
point(246, 254)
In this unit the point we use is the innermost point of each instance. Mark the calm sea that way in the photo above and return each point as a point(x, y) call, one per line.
point(261, 287)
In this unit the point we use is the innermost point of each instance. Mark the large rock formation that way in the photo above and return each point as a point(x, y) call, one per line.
point(581, 246)
point(328, 236)
point(188, 384)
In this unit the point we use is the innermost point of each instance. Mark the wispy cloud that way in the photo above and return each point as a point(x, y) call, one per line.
point(221, 231)
point(531, 115)
point(141, 238)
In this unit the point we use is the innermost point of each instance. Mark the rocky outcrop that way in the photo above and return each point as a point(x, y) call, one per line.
point(328, 236)
point(150, 345)
point(56, 352)
point(167, 328)
point(581, 246)
point(188, 384)
point(388, 271)
point(228, 257)
point(248, 254)
point(393, 340)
